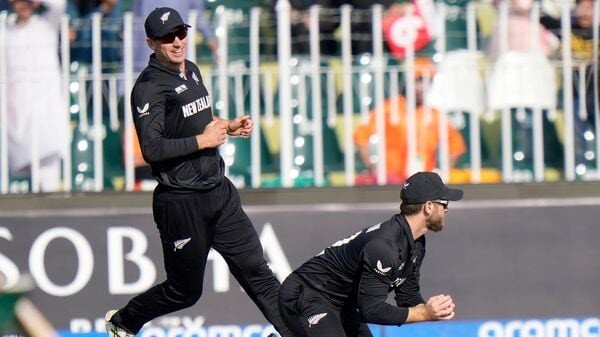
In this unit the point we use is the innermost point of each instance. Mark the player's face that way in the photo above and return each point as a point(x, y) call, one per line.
point(435, 222)
point(170, 49)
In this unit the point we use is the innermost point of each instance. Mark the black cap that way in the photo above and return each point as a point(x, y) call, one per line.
point(425, 186)
point(161, 21)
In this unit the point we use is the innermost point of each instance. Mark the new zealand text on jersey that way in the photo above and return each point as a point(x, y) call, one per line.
point(196, 106)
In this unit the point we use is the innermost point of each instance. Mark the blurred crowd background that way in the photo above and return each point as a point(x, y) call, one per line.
point(345, 93)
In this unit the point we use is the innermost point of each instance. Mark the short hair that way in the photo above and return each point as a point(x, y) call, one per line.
point(410, 209)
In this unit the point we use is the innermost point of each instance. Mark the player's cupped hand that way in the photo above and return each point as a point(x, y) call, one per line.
point(241, 126)
point(214, 135)
point(440, 307)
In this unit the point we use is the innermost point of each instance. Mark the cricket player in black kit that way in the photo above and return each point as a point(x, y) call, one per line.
point(339, 291)
point(195, 206)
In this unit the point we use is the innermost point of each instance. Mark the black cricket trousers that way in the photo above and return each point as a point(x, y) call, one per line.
point(190, 223)
point(308, 312)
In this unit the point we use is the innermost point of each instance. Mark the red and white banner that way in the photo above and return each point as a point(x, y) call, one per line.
point(410, 26)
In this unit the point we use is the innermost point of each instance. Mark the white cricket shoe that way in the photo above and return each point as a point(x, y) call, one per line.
point(113, 330)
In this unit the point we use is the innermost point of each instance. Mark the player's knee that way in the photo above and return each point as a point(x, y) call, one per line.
point(184, 296)
point(193, 296)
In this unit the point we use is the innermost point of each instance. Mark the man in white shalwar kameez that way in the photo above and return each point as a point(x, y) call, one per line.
point(37, 111)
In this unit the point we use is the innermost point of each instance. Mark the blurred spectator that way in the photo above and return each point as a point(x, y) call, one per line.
point(38, 127)
point(523, 81)
point(519, 34)
point(141, 8)
point(81, 33)
point(4, 5)
point(427, 137)
point(582, 51)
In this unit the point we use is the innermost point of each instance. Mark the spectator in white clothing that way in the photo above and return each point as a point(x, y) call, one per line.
point(37, 112)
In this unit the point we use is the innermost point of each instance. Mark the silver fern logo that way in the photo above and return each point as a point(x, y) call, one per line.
point(180, 243)
point(314, 319)
point(165, 17)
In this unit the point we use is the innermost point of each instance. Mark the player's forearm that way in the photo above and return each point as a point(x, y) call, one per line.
point(384, 314)
point(417, 314)
point(164, 149)
point(156, 147)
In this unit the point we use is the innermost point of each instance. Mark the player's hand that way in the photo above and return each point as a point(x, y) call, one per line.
point(241, 126)
point(214, 135)
point(440, 307)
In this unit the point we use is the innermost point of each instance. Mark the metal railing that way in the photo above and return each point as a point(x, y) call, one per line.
point(300, 97)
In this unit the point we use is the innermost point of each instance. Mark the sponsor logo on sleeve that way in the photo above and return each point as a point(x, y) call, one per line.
point(144, 111)
point(380, 269)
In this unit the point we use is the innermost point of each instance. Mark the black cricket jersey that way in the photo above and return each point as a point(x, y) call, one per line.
point(169, 110)
point(361, 270)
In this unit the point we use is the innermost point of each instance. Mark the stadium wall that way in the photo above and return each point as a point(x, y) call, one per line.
point(519, 260)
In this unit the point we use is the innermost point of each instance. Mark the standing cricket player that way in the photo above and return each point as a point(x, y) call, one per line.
point(195, 206)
